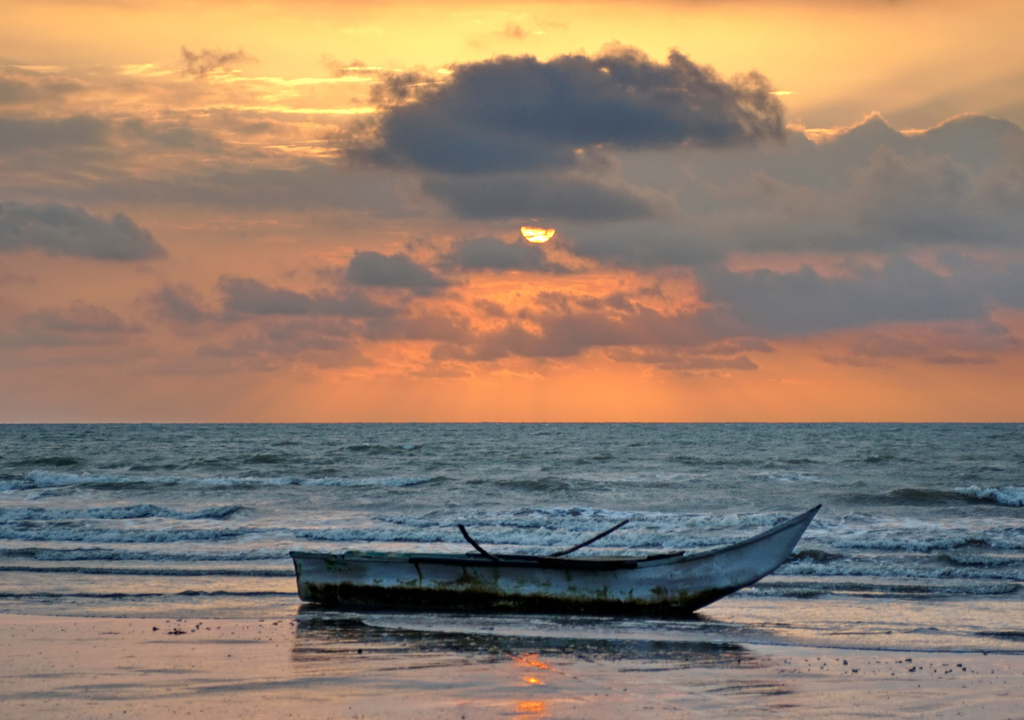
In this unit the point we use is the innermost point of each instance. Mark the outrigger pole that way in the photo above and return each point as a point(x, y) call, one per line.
point(560, 553)
point(471, 541)
point(597, 537)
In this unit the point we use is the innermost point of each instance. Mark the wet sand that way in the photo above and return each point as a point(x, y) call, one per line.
point(314, 667)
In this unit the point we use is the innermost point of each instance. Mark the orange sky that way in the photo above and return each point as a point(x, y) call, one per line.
point(310, 211)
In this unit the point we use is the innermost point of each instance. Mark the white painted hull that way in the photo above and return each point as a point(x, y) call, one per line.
point(674, 585)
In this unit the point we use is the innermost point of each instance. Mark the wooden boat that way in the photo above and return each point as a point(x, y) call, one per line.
point(670, 584)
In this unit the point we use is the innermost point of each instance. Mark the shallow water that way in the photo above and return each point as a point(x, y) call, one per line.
point(919, 543)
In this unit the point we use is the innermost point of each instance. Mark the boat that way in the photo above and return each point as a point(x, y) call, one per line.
point(662, 585)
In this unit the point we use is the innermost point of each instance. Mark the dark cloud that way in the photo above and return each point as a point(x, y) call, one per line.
point(489, 253)
point(200, 64)
point(1002, 282)
point(566, 325)
point(78, 130)
point(490, 309)
point(518, 113)
point(61, 230)
point(252, 297)
point(26, 89)
point(180, 304)
point(552, 197)
point(79, 318)
point(393, 271)
point(868, 189)
point(448, 328)
point(965, 342)
point(79, 324)
point(398, 87)
point(324, 342)
point(650, 244)
point(15, 91)
point(768, 304)
point(970, 140)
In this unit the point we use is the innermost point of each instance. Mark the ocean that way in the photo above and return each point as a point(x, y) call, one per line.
point(919, 544)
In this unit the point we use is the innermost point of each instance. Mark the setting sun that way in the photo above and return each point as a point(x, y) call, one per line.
point(536, 234)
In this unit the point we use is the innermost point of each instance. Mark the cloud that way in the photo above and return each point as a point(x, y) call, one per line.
point(489, 253)
point(61, 230)
point(205, 61)
point(78, 130)
point(393, 271)
point(1002, 282)
point(79, 324)
point(451, 328)
point(869, 188)
point(964, 342)
point(673, 360)
point(172, 135)
point(515, 114)
point(647, 244)
point(766, 303)
point(312, 184)
point(324, 342)
point(15, 91)
point(564, 325)
point(28, 88)
point(543, 196)
point(252, 297)
point(738, 311)
point(79, 318)
point(179, 303)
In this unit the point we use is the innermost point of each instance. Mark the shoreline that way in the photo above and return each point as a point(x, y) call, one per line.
point(315, 666)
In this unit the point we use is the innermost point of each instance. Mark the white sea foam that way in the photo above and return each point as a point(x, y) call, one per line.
point(1010, 496)
point(48, 478)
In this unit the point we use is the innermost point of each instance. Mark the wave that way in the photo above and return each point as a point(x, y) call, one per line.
point(53, 461)
point(375, 449)
point(63, 533)
point(1009, 496)
point(985, 561)
point(896, 568)
point(116, 512)
point(911, 496)
point(587, 518)
point(788, 477)
point(37, 479)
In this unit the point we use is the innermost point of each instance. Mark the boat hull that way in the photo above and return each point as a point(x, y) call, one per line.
point(657, 586)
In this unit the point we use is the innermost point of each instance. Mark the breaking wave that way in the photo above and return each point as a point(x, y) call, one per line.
point(1009, 496)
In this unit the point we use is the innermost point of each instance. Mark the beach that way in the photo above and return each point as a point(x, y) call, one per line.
point(335, 666)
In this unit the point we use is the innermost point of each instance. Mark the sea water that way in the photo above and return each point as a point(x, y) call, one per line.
point(919, 543)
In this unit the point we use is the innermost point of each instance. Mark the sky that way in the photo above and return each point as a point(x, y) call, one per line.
point(321, 211)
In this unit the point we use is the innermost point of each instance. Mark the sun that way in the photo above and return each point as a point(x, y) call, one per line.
point(536, 234)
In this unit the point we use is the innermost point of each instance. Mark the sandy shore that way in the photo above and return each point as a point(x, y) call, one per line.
point(313, 668)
